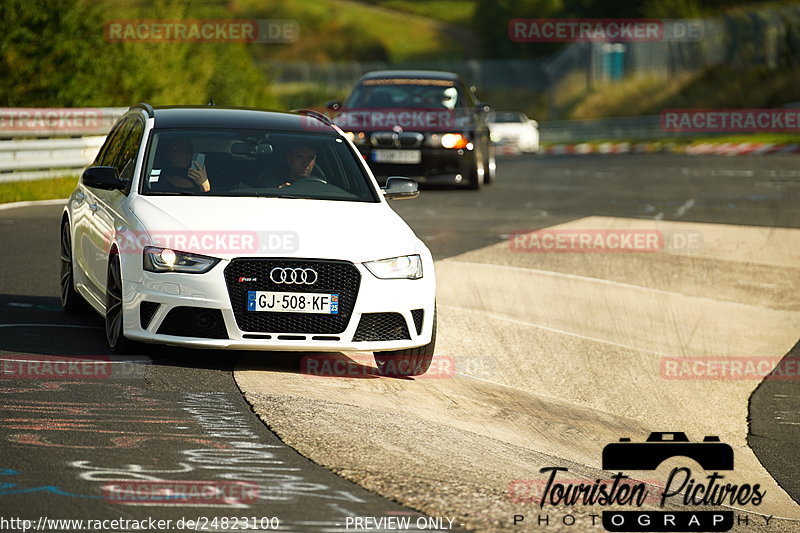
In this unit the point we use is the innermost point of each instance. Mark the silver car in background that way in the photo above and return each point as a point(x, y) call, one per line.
point(514, 130)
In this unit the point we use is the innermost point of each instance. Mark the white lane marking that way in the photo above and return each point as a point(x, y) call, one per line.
point(84, 359)
point(552, 330)
point(688, 204)
point(139, 359)
point(603, 281)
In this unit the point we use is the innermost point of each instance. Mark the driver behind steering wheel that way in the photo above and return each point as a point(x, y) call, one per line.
point(300, 162)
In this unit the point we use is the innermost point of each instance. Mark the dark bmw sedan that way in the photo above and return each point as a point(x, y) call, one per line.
point(427, 125)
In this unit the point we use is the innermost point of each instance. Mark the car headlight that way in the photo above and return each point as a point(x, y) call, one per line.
point(454, 140)
point(168, 260)
point(404, 267)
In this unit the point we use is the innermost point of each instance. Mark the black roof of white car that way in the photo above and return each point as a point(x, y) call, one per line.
point(232, 117)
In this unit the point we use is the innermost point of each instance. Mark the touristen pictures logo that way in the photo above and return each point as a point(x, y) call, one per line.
point(622, 497)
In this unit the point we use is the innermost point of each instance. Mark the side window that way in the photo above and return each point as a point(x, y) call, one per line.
point(465, 97)
point(125, 161)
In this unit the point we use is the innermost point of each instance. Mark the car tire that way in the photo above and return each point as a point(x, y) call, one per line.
point(71, 301)
point(476, 176)
point(490, 170)
point(115, 324)
point(409, 362)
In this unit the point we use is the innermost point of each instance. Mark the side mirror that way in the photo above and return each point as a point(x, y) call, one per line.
point(400, 188)
point(333, 105)
point(482, 107)
point(103, 178)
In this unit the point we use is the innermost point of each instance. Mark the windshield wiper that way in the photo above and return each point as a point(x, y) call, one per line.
point(290, 196)
point(172, 193)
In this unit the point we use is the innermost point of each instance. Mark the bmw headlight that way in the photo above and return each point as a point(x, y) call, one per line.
point(404, 267)
point(448, 140)
point(168, 260)
point(359, 138)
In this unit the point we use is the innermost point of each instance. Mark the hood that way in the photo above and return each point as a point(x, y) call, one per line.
point(275, 227)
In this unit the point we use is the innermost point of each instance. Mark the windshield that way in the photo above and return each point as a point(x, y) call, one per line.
point(405, 93)
point(232, 162)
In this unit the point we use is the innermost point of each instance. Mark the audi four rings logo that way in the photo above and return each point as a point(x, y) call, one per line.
point(297, 276)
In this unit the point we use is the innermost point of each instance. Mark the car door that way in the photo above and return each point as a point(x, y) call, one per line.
point(83, 208)
point(105, 209)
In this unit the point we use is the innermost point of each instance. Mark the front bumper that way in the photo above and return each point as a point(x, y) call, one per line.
point(167, 292)
point(437, 164)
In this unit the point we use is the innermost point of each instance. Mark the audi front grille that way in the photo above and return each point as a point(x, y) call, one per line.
point(334, 277)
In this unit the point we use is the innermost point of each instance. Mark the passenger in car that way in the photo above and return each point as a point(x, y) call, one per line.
point(178, 171)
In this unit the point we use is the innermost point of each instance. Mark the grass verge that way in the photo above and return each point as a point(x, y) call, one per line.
point(458, 12)
point(346, 30)
point(718, 87)
point(46, 189)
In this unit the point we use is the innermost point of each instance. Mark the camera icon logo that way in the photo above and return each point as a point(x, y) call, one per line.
point(711, 454)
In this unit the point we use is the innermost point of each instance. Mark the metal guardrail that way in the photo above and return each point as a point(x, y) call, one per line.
point(42, 143)
point(646, 127)
point(30, 159)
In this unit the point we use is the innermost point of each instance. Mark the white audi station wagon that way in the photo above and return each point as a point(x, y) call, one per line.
point(245, 229)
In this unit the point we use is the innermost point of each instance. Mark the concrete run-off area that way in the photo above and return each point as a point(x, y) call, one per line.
point(557, 355)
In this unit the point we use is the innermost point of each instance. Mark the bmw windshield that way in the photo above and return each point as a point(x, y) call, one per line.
point(392, 93)
point(231, 162)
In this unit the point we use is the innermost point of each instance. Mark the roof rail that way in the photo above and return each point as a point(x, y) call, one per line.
point(147, 108)
point(322, 117)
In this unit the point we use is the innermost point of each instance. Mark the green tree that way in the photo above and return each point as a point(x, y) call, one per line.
point(491, 21)
point(48, 53)
point(56, 55)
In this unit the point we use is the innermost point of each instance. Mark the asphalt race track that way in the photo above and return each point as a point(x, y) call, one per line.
point(542, 360)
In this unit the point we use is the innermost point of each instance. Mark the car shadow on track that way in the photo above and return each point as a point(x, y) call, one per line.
point(37, 326)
